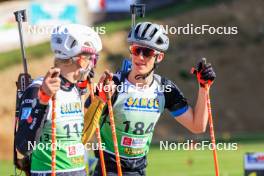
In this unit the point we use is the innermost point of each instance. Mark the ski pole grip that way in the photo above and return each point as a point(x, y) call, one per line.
point(108, 78)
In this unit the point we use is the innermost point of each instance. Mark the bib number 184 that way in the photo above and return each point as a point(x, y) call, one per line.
point(139, 127)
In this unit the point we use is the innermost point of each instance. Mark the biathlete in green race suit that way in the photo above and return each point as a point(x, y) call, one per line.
point(142, 98)
point(76, 50)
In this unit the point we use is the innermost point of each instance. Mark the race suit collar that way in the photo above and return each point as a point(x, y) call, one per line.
point(66, 85)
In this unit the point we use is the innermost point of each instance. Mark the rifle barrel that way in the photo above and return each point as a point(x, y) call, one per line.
point(20, 17)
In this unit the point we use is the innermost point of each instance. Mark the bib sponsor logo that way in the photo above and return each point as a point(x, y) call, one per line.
point(132, 151)
point(134, 142)
point(75, 150)
point(71, 108)
point(77, 160)
point(126, 141)
point(72, 150)
point(142, 104)
point(27, 101)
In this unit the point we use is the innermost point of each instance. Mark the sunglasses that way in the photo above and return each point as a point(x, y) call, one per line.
point(146, 52)
point(84, 58)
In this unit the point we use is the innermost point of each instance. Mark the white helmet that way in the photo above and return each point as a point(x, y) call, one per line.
point(72, 39)
point(149, 34)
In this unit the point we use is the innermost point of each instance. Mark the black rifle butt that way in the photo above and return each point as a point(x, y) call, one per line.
point(21, 15)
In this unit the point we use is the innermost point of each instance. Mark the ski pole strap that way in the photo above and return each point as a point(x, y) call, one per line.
point(43, 96)
point(82, 84)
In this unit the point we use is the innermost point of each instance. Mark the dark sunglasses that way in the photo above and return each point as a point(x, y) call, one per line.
point(146, 52)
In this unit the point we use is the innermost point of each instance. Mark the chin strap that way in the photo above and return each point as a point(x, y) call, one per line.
point(144, 76)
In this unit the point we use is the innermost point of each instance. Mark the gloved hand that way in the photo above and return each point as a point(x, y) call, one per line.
point(50, 85)
point(204, 72)
point(104, 87)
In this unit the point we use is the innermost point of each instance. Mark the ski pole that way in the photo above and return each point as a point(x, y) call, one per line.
point(210, 119)
point(211, 126)
point(112, 123)
point(53, 132)
point(53, 137)
point(97, 131)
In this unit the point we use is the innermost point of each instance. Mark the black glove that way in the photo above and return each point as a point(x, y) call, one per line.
point(205, 73)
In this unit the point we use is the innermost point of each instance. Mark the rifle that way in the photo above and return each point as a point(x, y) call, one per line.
point(135, 10)
point(23, 81)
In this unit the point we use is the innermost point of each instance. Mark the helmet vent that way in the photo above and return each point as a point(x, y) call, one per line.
point(153, 32)
point(58, 40)
point(159, 41)
point(145, 30)
point(136, 31)
point(74, 43)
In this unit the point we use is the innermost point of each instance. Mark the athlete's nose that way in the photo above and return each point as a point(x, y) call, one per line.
point(140, 56)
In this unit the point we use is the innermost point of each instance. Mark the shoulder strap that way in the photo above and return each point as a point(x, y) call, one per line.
point(159, 79)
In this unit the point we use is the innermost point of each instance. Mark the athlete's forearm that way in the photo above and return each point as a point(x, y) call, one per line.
point(200, 114)
point(205, 75)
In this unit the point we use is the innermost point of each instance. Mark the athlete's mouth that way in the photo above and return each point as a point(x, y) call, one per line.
point(140, 64)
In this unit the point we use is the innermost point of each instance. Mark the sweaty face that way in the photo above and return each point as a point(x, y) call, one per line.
point(143, 58)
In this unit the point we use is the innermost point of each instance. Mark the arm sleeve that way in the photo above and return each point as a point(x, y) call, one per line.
point(32, 116)
point(175, 101)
